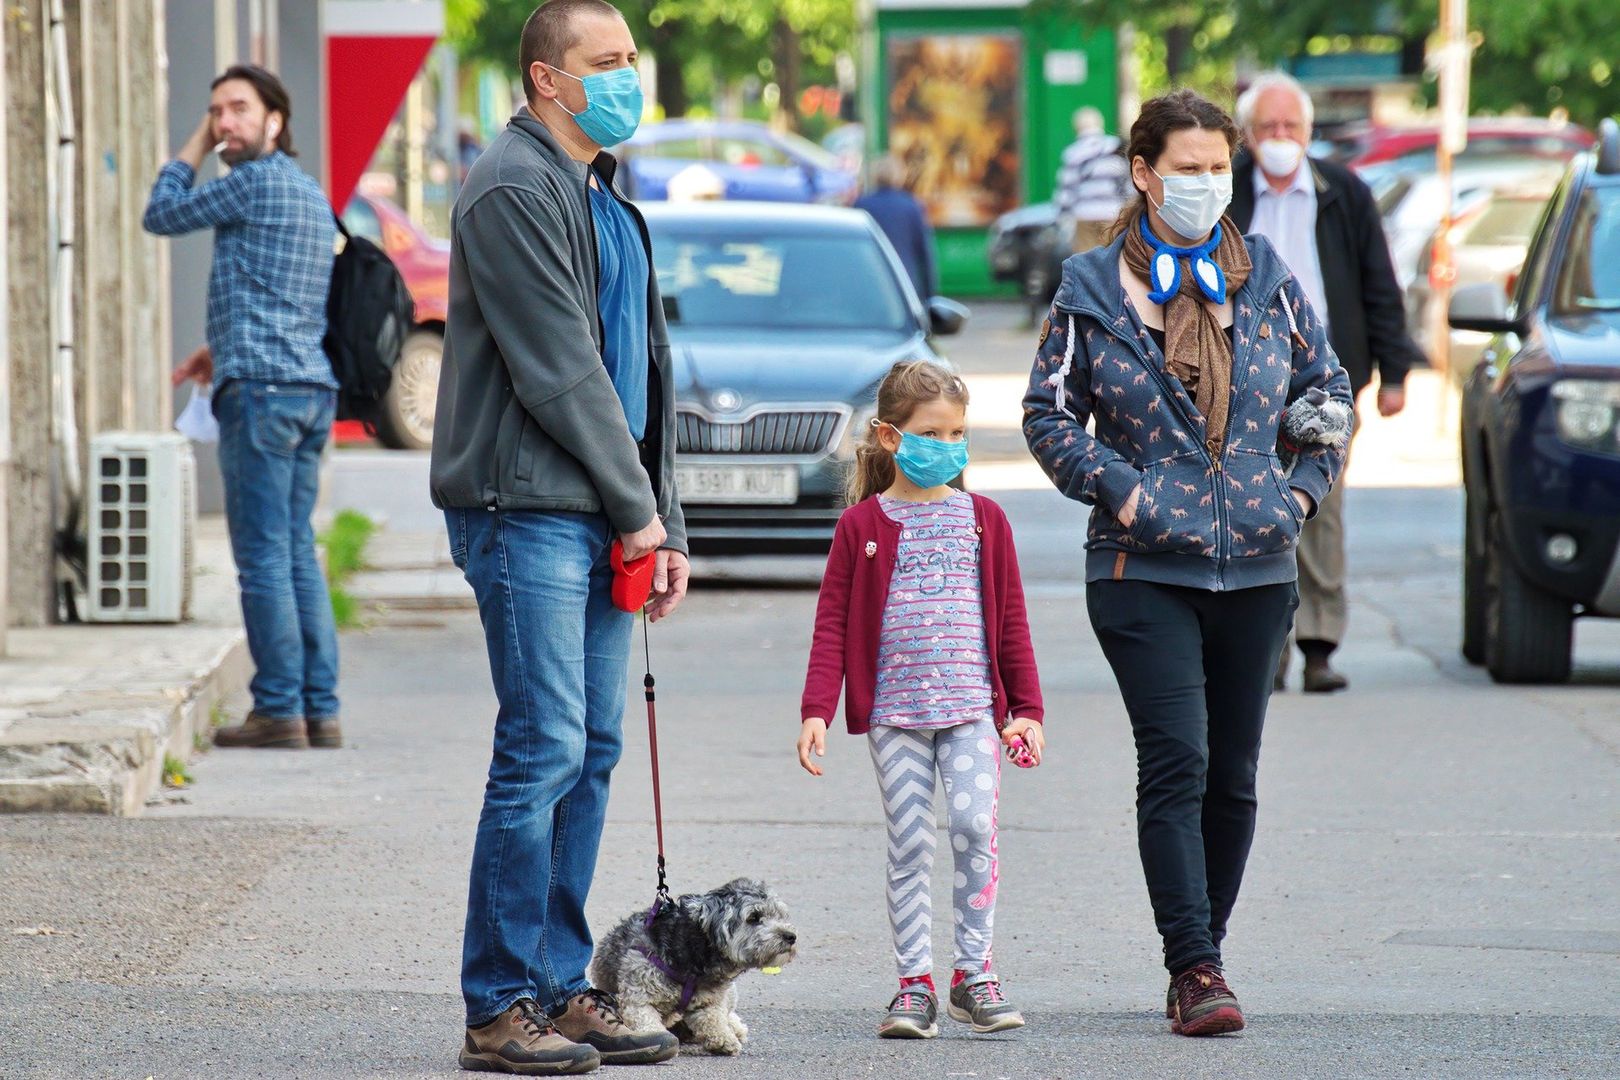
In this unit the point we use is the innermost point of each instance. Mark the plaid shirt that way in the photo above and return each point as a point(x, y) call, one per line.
point(273, 247)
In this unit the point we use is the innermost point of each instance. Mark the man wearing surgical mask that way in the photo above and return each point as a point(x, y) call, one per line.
point(555, 437)
point(1305, 207)
point(273, 391)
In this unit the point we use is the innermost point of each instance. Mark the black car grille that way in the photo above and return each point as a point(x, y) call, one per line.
point(787, 432)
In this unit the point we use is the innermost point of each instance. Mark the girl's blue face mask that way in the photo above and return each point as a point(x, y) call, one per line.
point(613, 104)
point(929, 462)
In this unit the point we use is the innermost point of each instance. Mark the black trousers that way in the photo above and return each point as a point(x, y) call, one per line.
point(1195, 670)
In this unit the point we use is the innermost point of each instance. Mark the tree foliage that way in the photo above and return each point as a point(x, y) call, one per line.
point(702, 46)
point(1534, 55)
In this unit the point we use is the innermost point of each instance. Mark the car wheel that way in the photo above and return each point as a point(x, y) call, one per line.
point(406, 422)
point(1528, 632)
point(1473, 584)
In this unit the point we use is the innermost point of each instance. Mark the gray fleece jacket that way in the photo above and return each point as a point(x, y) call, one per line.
point(527, 415)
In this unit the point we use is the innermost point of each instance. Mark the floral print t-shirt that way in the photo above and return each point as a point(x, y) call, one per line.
point(933, 668)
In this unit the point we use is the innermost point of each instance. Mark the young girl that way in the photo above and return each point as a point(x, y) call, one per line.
point(921, 619)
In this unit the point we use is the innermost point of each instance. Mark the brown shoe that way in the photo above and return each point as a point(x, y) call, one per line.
point(265, 732)
point(1204, 1004)
point(1320, 678)
point(522, 1040)
point(325, 732)
point(593, 1019)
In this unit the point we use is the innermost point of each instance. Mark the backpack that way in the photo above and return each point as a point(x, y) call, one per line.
point(369, 312)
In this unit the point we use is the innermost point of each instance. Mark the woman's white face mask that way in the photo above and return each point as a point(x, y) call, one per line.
point(1194, 204)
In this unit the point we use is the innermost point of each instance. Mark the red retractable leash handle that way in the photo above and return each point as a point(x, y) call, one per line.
point(632, 579)
point(632, 587)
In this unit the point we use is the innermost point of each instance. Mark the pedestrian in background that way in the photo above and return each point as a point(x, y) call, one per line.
point(1093, 181)
point(1190, 554)
point(921, 622)
point(555, 437)
point(273, 390)
point(904, 221)
point(1307, 208)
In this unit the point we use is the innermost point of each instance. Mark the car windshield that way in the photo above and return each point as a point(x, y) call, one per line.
point(1589, 279)
point(731, 280)
point(1504, 222)
point(807, 151)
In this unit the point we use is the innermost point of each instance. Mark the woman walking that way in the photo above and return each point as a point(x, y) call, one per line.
point(1185, 342)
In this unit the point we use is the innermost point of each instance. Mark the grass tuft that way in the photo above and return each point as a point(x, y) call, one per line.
point(345, 543)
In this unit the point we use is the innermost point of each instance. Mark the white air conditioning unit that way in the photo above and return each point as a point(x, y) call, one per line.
point(143, 521)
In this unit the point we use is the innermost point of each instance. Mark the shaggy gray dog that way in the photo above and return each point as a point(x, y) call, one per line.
point(1313, 418)
point(675, 966)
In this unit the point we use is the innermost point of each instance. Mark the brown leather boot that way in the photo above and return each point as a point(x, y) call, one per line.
point(593, 1018)
point(522, 1040)
point(265, 732)
point(1320, 678)
point(325, 732)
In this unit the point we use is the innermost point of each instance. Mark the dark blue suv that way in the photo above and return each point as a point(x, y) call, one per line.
point(1541, 434)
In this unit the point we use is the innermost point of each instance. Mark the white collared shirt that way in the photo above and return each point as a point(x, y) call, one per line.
point(1288, 220)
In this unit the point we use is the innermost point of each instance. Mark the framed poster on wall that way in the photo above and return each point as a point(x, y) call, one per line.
point(955, 115)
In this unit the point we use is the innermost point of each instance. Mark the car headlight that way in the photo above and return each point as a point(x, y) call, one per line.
point(1588, 411)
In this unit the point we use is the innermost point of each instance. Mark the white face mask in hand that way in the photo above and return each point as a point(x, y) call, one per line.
point(196, 421)
point(1193, 204)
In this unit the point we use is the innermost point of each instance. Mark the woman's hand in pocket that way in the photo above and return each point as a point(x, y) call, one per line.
point(1127, 513)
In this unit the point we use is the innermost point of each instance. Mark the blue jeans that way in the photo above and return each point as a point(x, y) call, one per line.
point(558, 650)
point(270, 441)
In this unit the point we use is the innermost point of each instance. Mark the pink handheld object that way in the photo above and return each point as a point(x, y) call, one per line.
point(1019, 753)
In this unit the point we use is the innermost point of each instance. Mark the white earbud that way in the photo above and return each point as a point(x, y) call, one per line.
point(272, 130)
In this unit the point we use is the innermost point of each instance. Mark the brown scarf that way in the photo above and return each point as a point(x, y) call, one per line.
point(1197, 350)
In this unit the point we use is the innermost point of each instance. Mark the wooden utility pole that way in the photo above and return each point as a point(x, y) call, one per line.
point(1453, 71)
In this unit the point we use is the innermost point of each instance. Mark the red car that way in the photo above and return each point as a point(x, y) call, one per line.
point(407, 418)
point(1413, 146)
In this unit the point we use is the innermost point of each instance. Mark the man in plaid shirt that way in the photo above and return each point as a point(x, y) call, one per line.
point(273, 390)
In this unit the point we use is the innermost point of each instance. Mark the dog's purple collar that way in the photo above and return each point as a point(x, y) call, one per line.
point(689, 983)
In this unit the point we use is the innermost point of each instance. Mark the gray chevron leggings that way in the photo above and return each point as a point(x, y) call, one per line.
point(968, 758)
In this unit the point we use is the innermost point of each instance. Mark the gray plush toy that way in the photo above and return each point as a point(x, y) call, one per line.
point(1314, 419)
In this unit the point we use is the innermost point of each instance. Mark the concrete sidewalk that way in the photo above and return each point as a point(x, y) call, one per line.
point(88, 713)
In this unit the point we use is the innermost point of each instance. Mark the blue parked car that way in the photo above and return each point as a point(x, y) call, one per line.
point(748, 160)
point(782, 321)
point(1541, 434)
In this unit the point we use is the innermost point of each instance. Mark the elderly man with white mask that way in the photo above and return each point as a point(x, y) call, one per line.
point(1309, 208)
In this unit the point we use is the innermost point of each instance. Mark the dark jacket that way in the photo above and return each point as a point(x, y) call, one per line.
point(1366, 317)
point(849, 617)
point(901, 217)
point(1227, 524)
point(527, 415)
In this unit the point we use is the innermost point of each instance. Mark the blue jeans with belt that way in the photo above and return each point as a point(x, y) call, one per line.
point(270, 440)
point(558, 651)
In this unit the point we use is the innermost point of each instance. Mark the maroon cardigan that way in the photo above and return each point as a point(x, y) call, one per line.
point(849, 617)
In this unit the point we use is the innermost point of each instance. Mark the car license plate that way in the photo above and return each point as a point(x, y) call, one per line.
point(737, 483)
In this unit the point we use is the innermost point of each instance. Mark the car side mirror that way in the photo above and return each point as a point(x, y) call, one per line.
point(946, 316)
point(1482, 307)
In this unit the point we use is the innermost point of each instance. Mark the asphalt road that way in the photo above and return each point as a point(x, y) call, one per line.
point(1432, 892)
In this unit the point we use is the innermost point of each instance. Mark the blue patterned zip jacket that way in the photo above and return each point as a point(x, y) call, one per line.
point(1205, 524)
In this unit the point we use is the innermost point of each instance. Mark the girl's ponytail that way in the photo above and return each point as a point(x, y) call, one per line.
point(874, 467)
point(908, 384)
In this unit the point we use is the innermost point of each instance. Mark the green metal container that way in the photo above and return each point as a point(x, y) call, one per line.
point(977, 100)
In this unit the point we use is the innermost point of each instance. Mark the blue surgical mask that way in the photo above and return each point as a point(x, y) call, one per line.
point(613, 105)
point(929, 462)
